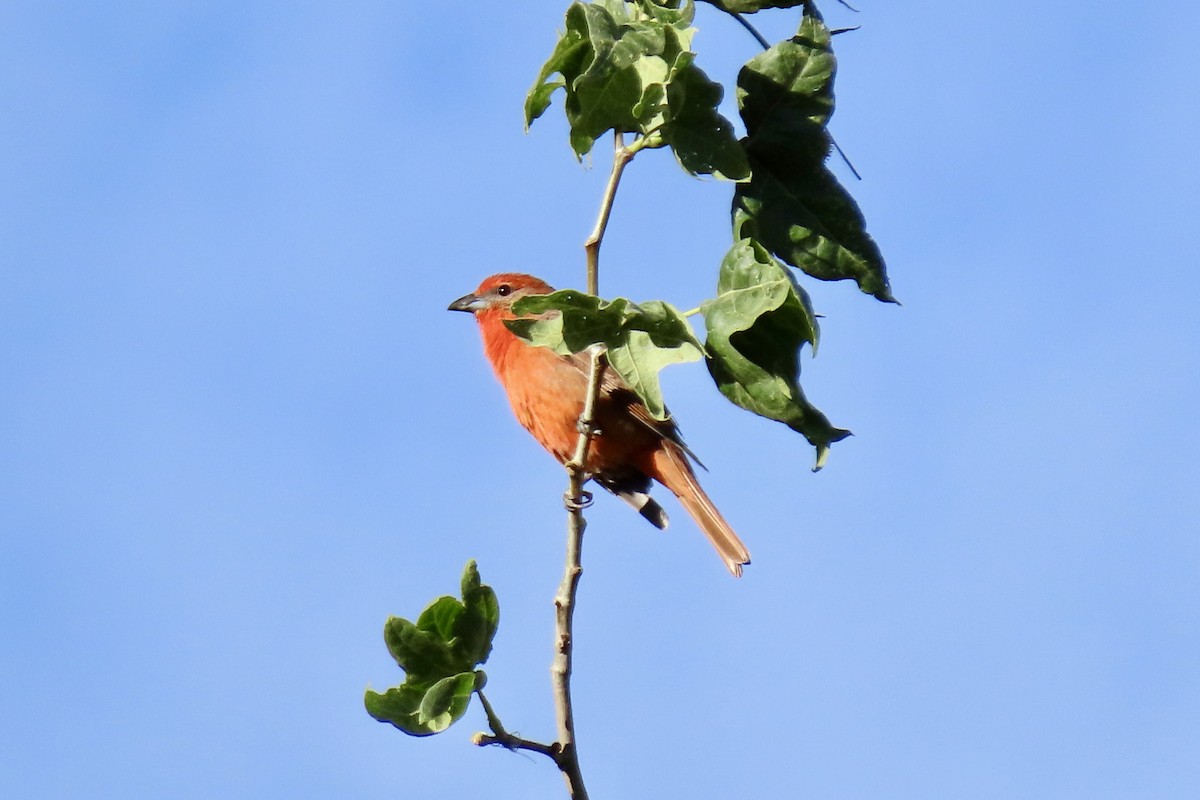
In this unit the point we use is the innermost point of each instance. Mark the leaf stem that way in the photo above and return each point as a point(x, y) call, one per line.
point(507, 740)
point(753, 31)
point(622, 155)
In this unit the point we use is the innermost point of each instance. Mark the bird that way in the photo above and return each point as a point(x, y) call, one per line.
point(629, 448)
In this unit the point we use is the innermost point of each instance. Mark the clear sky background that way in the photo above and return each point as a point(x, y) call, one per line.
point(238, 428)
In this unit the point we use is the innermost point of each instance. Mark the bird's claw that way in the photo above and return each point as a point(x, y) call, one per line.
point(577, 503)
point(587, 428)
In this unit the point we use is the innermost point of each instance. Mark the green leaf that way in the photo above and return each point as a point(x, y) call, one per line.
point(640, 339)
point(751, 6)
point(439, 655)
point(653, 72)
point(702, 139)
point(756, 326)
point(399, 707)
point(423, 711)
point(567, 321)
point(566, 59)
point(789, 87)
point(421, 653)
point(810, 221)
point(440, 617)
point(602, 95)
point(477, 625)
point(612, 60)
point(657, 338)
point(801, 212)
point(471, 582)
point(446, 701)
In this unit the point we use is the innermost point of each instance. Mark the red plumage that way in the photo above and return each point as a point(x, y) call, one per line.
point(547, 393)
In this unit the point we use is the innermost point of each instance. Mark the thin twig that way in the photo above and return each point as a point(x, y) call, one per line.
point(510, 742)
point(587, 422)
point(753, 30)
point(845, 158)
point(505, 739)
point(622, 155)
point(576, 499)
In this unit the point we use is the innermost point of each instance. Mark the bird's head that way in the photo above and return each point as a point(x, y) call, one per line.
point(495, 296)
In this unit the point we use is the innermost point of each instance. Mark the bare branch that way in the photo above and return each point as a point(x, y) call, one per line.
point(505, 739)
point(564, 602)
point(622, 155)
point(753, 31)
point(510, 742)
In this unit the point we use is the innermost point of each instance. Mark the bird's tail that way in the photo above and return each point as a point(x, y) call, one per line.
point(672, 470)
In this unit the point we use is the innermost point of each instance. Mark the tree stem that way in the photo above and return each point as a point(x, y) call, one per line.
point(622, 155)
point(564, 602)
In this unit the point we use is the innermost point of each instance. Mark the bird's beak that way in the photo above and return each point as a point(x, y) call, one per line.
point(469, 303)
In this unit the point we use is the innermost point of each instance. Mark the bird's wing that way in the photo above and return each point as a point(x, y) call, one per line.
point(614, 386)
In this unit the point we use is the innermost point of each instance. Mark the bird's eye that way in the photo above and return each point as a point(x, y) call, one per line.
point(504, 290)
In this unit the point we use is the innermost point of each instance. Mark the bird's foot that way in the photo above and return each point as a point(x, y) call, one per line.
point(587, 428)
point(579, 503)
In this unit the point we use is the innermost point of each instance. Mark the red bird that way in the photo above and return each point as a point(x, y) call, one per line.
point(547, 392)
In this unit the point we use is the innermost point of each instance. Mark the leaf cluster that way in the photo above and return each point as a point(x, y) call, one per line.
point(628, 66)
point(801, 212)
point(439, 654)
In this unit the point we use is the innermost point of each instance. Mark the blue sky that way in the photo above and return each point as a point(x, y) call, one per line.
point(238, 428)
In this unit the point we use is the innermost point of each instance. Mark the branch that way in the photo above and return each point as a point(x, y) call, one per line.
point(505, 739)
point(753, 31)
point(510, 742)
point(563, 752)
point(622, 155)
point(576, 500)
